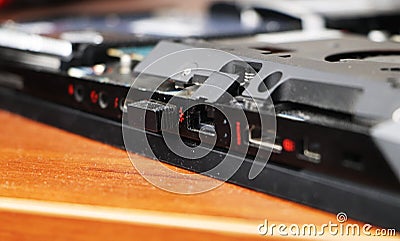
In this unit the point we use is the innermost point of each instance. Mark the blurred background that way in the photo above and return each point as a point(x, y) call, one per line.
point(197, 17)
point(23, 10)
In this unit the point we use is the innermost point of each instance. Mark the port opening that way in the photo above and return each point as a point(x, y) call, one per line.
point(103, 100)
point(311, 151)
point(201, 119)
point(266, 141)
point(353, 161)
point(79, 93)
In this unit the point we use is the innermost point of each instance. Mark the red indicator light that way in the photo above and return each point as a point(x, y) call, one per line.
point(181, 115)
point(94, 97)
point(289, 145)
point(116, 102)
point(70, 89)
point(238, 134)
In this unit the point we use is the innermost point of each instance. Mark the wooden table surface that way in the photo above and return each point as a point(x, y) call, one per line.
point(55, 185)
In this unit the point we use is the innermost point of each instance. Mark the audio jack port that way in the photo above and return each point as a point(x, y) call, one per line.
point(103, 100)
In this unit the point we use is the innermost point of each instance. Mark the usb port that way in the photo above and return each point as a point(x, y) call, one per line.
point(263, 142)
point(311, 151)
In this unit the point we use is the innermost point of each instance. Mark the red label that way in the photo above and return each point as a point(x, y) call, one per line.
point(238, 134)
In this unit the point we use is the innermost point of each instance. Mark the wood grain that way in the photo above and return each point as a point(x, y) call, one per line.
point(56, 185)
